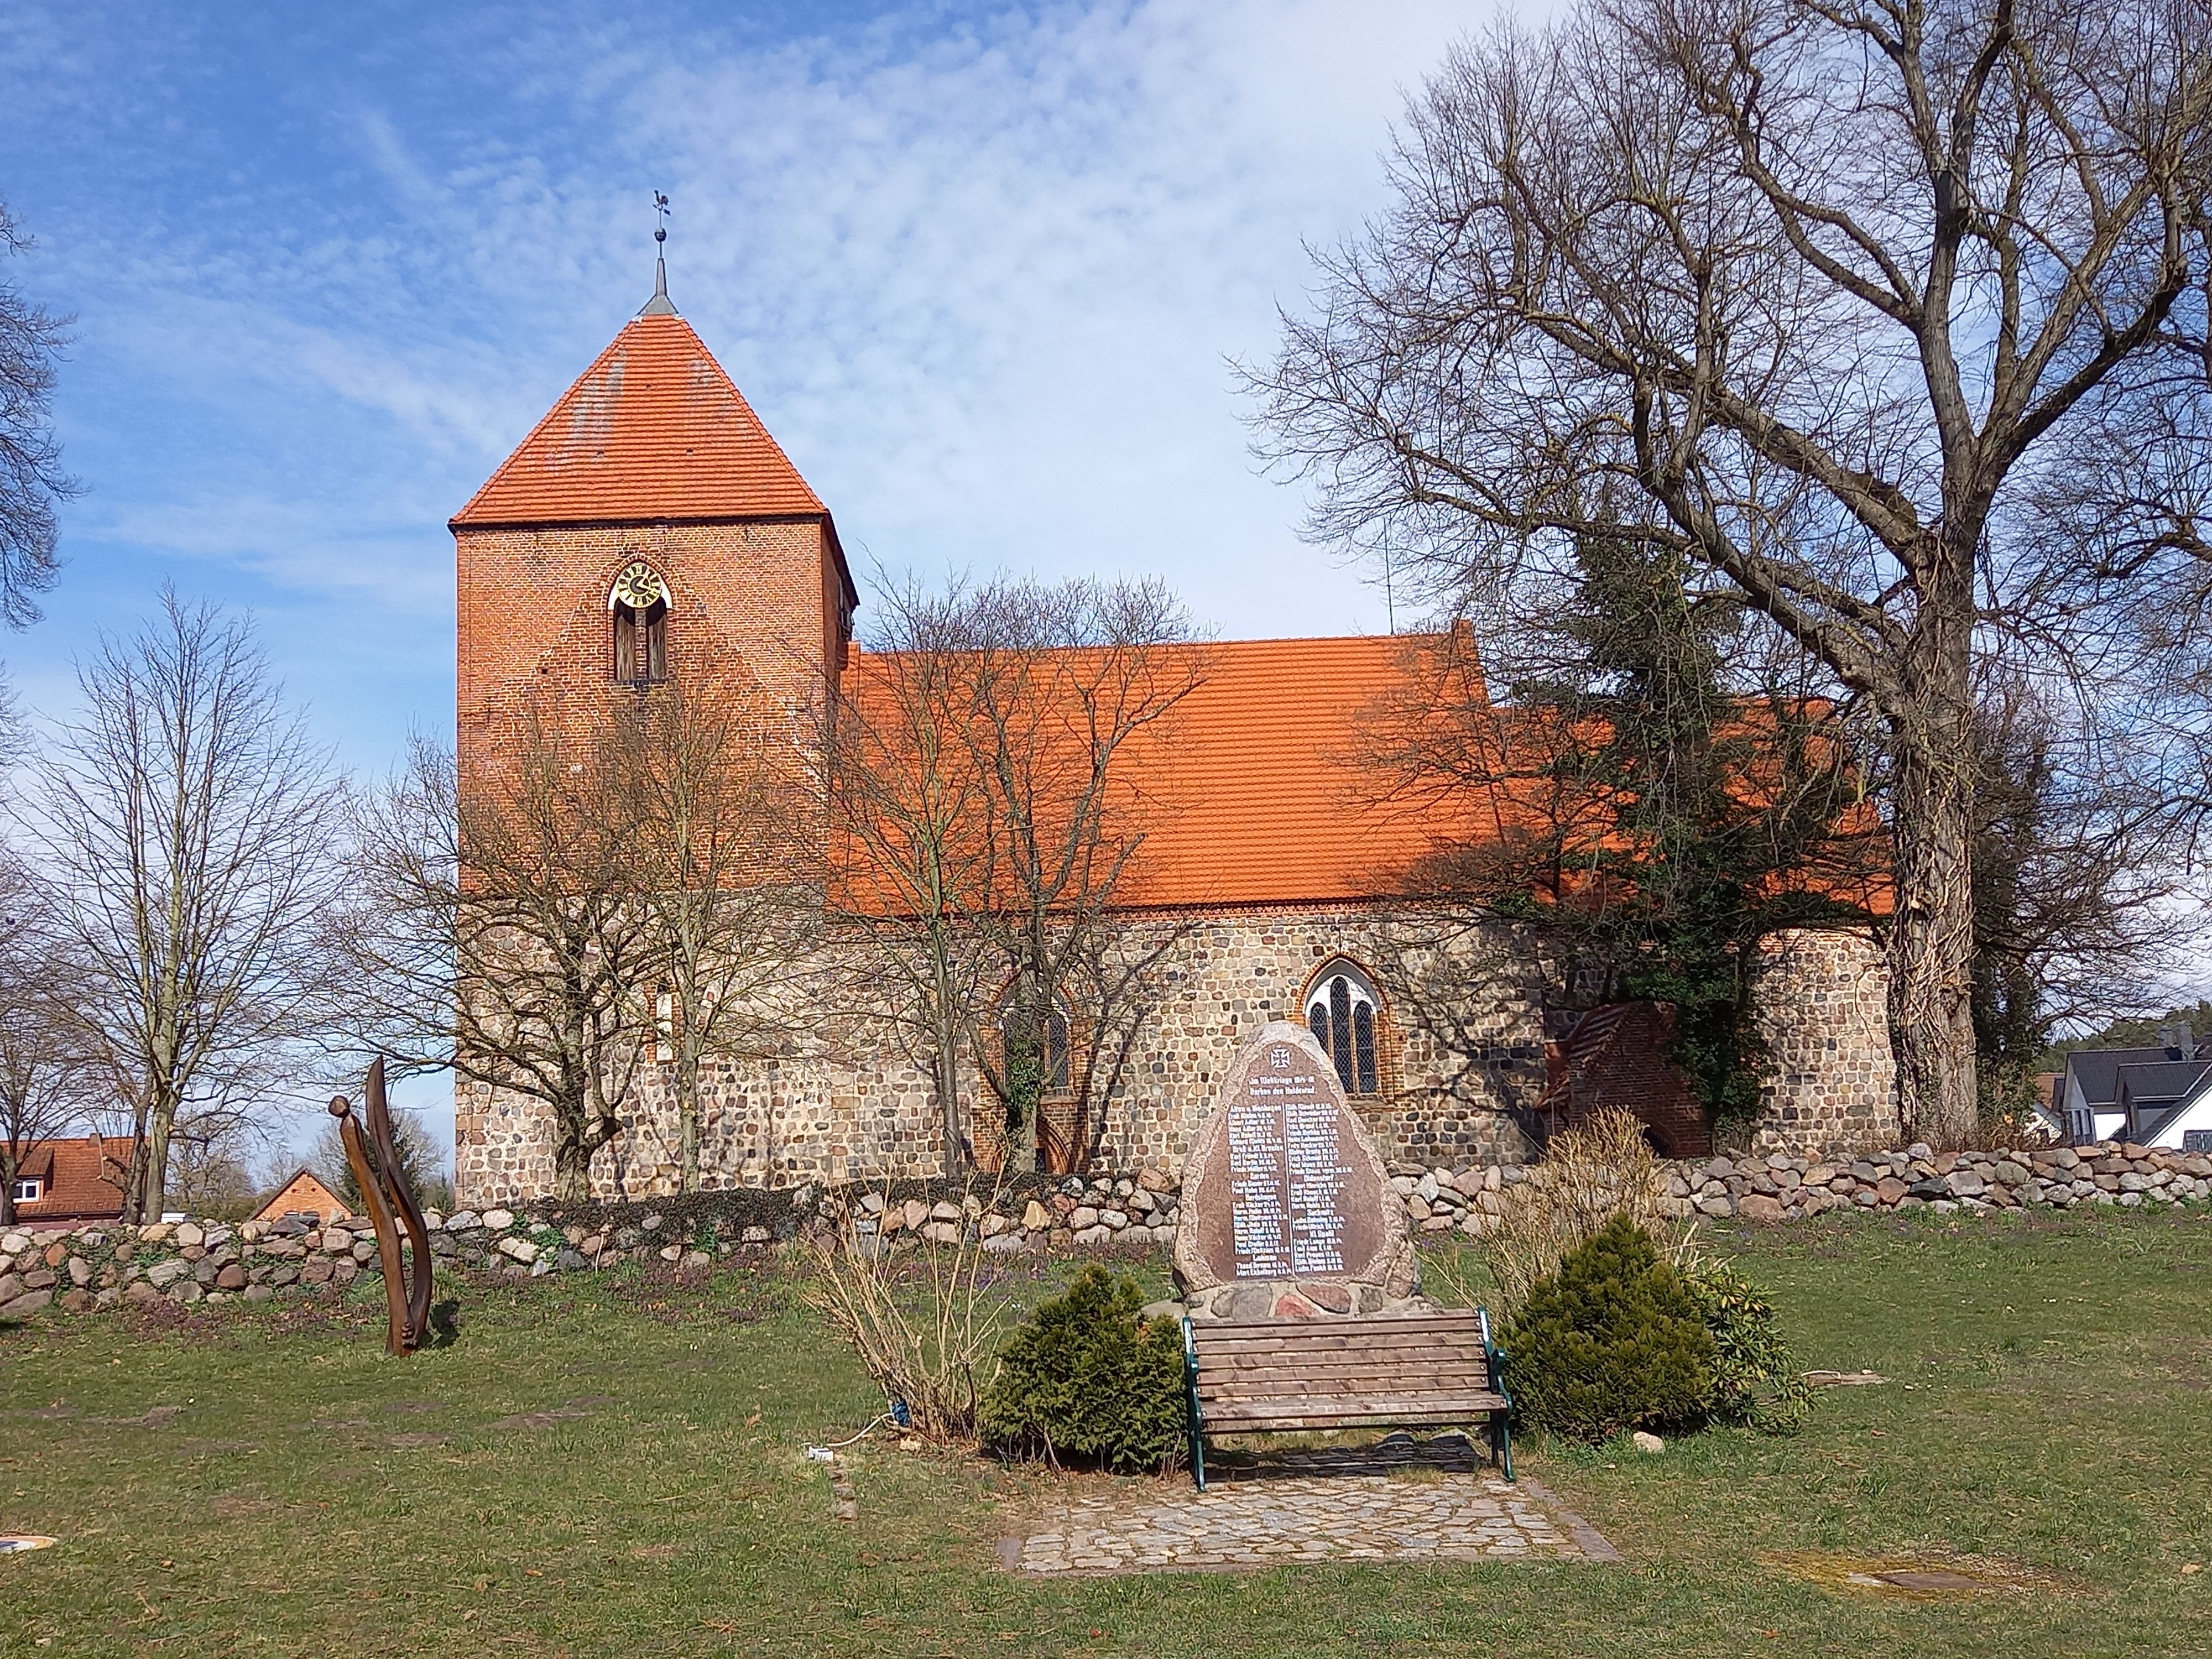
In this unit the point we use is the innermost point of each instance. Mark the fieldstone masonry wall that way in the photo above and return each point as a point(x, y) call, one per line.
point(850, 1103)
point(1823, 1000)
point(86, 1269)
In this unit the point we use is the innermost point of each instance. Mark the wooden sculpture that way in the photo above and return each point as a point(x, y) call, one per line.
point(374, 1160)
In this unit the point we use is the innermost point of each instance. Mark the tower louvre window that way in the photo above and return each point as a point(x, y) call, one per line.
point(638, 602)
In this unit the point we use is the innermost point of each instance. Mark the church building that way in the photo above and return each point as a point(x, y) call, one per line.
point(649, 531)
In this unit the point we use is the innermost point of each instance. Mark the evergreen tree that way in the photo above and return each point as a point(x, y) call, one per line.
point(1666, 802)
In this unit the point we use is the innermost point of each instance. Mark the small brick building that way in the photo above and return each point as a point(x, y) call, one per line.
point(649, 531)
point(305, 1193)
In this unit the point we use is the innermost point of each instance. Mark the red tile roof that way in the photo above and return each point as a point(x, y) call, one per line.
point(1262, 787)
point(654, 429)
point(84, 1180)
point(1254, 792)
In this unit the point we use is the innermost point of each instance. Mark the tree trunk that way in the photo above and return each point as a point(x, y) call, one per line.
point(572, 1147)
point(572, 1173)
point(1931, 939)
point(948, 1101)
point(687, 1118)
point(154, 1176)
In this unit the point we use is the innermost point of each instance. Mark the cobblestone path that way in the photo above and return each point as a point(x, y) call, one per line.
point(1399, 1501)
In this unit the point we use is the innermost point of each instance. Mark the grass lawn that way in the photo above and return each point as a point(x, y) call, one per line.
point(602, 1467)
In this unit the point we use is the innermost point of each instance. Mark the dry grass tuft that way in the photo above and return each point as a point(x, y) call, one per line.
point(1598, 1169)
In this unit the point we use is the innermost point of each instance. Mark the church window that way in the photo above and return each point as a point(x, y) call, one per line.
point(1048, 1043)
point(1340, 1012)
point(638, 602)
point(663, 1026)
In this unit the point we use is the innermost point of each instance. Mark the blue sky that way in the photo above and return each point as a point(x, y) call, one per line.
point(979, 267)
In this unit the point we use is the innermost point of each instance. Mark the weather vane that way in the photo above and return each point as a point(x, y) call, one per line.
point(658, 305)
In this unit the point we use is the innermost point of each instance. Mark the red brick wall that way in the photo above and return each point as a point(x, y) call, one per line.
point(746, 607)
point(1627, 1067)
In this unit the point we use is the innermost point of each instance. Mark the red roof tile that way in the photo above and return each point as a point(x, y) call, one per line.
point(654, 429)
point(1261, 787)
point(1254, 793)
point(84, 1180)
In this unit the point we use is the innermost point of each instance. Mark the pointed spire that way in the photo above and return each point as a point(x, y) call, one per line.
point(659, 304)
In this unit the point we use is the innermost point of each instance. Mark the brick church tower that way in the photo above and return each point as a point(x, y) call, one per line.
point(647, 531)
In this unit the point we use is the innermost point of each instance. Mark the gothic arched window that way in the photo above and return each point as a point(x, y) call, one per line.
point(638, 602)
point(1341, 1012)
point(1046, 1039)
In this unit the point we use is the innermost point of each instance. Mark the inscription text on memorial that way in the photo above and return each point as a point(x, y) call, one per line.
point(1286, 1171)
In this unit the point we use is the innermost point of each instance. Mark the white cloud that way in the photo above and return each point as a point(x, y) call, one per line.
point(980, 271)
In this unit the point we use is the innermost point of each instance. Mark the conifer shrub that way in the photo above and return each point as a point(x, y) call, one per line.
point(1611, 1342)
point(1088, 1380)
point(1756, 1383)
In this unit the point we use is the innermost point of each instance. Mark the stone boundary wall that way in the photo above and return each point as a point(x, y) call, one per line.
point(84, 1269)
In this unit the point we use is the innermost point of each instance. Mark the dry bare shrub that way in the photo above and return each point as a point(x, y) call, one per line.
point(1601, 1167)
point(929, 1333)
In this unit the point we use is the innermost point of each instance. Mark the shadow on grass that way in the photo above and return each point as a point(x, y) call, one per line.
point(444, 1324)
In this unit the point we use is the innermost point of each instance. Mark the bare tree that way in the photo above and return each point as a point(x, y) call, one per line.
point(31, 478)
point(984, 772)
point(499, 936)
point(1833, 300)
point(186, 819)
point(910, 805)
point(726, 872)
point(1067, 682)
point(44, 1083)
point(2083, 889)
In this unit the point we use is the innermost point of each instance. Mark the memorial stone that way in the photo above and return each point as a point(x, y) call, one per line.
point(1287, 1208)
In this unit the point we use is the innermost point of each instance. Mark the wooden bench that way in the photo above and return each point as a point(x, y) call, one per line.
point(1276, 1375)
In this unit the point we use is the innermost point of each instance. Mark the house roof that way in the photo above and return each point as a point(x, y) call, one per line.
point(653, 430)
point(1255, 792)
point(2098, 1074)
point(2148, 1086)
point(1248, 792)
point(83, 1177)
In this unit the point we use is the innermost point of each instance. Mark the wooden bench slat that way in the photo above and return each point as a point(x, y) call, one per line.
point(1471, 1353)
point(1274, 1376)
point(1336, 1364)
point(1314, 1423)
point(1350, 1386)
point(1370, 1384)
point(1458, 1340)
point(1472, 1408)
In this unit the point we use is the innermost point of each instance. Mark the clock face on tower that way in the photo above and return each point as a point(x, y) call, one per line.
point(639, 587)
